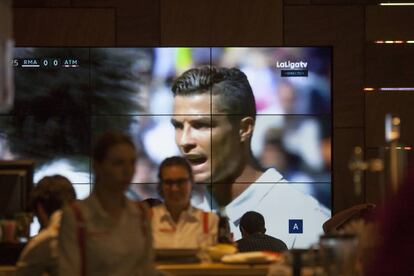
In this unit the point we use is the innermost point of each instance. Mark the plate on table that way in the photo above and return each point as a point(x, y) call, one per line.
point(255, 257)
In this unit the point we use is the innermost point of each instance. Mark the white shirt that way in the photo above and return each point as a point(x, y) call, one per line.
point(121, 247)
point(41, 254)
point(279, 202)
point(188, 232)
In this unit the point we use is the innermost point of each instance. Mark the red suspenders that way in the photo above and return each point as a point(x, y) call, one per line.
point(81, 233)
point(205, 222)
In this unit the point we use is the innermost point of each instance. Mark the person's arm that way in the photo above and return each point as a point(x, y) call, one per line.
point(148, 265)
point(213, 228)
point(36, 258)
point(69, 251)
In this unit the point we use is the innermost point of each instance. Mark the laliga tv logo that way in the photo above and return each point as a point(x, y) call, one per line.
point(292, 69)
point(292, 65)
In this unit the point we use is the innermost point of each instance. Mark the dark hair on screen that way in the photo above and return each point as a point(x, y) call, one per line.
point(253, 222)
point(107, 141)
point(152, 202)
point(173, 161)
point(52, 192)
point(236, 95)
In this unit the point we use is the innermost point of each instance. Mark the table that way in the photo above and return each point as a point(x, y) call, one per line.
point(220, 269)
point(204, 269)
point(7, 270)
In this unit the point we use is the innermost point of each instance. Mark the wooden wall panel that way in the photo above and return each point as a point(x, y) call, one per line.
point(389, 23)
point(344, 2)
point(331, 25)
point(219, 23)
point(64, 26)
point(40, 3)
point(139, 25)
point(5, 19)
point(389, 65)
point(137, 22)
point(297, 2)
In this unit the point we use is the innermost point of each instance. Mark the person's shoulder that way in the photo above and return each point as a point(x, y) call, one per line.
point(79, 210)
point(242, 241)
point(39, 247)
point(278, 243)
point(44, 236)
point(271, 175)
point(157, 212)
point(285, 189)
point(139, 208)
point(199, 211)
point(159, 209)
point(272, 238)
point(41, 240)
point(83, 205)
point(289, 196)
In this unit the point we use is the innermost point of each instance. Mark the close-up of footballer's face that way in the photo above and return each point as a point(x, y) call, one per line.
point(212, 145)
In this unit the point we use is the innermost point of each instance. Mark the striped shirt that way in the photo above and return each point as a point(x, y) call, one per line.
point(260, 242)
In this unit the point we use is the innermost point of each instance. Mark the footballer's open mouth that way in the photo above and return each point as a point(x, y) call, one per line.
point(197, 161)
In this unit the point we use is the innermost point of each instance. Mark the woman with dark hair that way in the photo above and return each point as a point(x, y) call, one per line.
point(107, 234)
point(177, 224)
point(46, 201)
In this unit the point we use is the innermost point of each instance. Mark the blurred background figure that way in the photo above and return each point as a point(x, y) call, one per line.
point(252, 227)
point(177, 224)
point(46, 200)
point(107, 234)
point(393, 252)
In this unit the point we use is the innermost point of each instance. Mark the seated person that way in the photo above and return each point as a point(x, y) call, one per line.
point(41, 254)
point(177, 224)
point(252, 228)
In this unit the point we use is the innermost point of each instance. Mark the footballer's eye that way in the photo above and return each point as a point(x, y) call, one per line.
point(200, 125)
point(176, 124)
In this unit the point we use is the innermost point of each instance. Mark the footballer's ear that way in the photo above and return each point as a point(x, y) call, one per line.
point(246, 128)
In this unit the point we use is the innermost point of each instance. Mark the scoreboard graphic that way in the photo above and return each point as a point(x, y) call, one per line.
point(46, 63)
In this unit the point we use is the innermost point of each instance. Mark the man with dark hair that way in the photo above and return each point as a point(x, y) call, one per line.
point(46, 200)
point(198, 93)
point(214, 118)
point(252, 227)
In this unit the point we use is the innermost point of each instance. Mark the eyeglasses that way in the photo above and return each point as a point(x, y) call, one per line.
point(178, 181)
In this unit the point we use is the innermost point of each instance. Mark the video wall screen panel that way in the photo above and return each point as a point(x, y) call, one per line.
point(66, 97)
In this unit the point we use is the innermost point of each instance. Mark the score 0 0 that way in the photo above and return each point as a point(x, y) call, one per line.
point(50, 62)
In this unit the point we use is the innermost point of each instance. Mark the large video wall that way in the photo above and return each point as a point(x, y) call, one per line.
point(66, 97)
